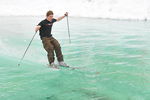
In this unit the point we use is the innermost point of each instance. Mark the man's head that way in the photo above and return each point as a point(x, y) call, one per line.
point(49, 15)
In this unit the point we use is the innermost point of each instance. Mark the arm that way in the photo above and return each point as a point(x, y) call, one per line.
point(60, 18)
point(37, 28)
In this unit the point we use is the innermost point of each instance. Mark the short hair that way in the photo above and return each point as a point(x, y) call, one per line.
point(49, 13)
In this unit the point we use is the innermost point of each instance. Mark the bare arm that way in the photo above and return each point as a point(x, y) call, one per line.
point(60, 18)
point(37, 28)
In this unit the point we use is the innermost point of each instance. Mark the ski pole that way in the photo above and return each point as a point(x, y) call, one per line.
point(26, 49)
point(68, 30)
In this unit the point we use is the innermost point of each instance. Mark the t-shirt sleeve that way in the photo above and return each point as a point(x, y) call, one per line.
point(41, 23)
point(54, 20)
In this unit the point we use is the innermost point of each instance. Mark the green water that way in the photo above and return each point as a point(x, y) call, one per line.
point(113, 57)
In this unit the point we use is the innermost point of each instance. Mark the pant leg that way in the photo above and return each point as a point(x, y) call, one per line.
point(48, 46)
point(57, 49)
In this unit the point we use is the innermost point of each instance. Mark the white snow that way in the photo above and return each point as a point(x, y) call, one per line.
point(117, 9)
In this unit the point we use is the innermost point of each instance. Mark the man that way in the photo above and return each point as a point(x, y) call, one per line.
point(50, 44)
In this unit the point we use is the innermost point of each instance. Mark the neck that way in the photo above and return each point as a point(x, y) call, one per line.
point(48, 19)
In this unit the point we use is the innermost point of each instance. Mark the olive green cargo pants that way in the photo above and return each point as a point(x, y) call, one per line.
point(50, 44)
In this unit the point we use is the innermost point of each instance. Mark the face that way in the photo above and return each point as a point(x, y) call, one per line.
point(50, 17)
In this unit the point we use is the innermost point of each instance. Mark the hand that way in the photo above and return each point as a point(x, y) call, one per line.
point(66, 14)
point(37, 28)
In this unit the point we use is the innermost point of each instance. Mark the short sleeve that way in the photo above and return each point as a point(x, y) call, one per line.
point(54, 20)
point(41, 23)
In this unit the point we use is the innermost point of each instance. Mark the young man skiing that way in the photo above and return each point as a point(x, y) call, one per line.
point(50, 44)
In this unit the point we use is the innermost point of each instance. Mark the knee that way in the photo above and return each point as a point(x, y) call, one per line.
point(50, 55)
point(58, 46)
point(49, 48)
